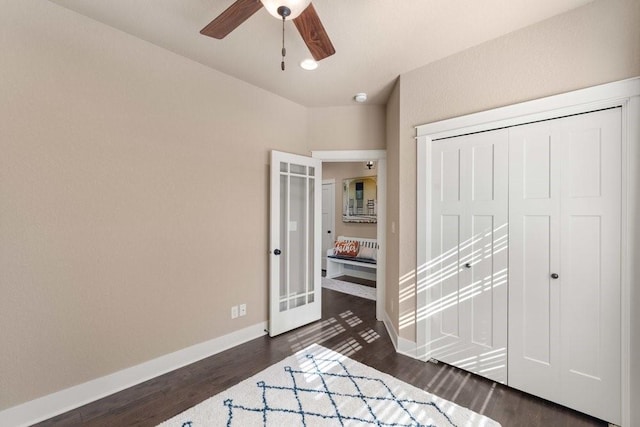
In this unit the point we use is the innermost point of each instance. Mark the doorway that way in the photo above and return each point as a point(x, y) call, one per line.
point(378, 156)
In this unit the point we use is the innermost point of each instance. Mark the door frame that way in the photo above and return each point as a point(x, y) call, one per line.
point(624, 94)
point(342, 156)
point(331, 181)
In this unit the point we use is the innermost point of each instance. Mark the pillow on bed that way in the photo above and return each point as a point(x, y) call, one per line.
point(367, 253)
point(346, 248)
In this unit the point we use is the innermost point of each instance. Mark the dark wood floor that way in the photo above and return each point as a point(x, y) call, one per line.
point(348, 326)
point(358, 280)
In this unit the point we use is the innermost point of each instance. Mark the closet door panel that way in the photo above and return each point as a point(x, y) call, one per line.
point(564, 261)
point(468, 308)
point(450, 289)
point(584, 287)
point(487, 219)
point(590, 257)
point(536, 289)
point(534, 207)
point(534, 156)
point(481, 288)
point(482, 173)
point(449, 175)
point(444, 283)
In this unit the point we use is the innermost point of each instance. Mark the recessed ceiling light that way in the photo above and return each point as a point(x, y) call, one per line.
point(309, 64)
point(360, 97)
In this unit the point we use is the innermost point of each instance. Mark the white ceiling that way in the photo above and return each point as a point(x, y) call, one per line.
point(375, 40)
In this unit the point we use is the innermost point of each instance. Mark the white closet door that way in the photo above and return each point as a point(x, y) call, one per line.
point(565, 213)
point(468, 278)
point(534, 247)
point(590, 237)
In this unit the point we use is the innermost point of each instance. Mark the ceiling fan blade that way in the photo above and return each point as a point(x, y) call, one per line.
point(231, 18)
point(314, 34)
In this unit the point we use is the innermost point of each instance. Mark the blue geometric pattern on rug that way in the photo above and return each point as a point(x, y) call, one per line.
point(366, 390)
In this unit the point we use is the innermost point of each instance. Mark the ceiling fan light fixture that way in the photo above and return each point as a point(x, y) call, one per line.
point(295, 6)
point(308, 64)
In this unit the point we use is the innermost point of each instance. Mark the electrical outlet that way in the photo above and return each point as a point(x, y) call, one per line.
point(243, 309)
point(234, 311)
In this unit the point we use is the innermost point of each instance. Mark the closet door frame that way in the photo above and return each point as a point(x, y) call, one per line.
point(624, 94)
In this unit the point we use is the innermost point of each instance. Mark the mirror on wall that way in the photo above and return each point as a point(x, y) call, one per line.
point(360, 200)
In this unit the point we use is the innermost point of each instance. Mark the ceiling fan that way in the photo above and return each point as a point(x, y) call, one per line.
point(302, 13)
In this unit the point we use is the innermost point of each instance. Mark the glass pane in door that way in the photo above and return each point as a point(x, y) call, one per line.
point(297, 187)
point(298, 169)
point(298, 236)
point(310, 236)
point(284, 208)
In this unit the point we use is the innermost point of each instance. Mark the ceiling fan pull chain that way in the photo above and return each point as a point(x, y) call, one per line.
point(284, 51)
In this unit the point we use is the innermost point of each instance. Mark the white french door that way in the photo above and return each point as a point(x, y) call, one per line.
point(468, 276)
point(295, 243)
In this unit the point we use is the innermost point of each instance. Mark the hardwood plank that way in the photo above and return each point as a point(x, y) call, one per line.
point(348, 326)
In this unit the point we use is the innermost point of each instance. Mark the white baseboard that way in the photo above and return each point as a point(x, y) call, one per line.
point(406, 347)
point(65, 400)
point(393, 335)
point(402, 345)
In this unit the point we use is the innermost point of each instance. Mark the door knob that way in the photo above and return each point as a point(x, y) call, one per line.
point(468, 265)
point(554, 275)
point(328, 231)
point(277, 252)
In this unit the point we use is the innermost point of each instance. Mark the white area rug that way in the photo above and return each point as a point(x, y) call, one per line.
point(319, 387)
point(350, 288)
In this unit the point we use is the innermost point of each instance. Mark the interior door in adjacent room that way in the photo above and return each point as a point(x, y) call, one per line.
point(328, 218)
point(295, 242)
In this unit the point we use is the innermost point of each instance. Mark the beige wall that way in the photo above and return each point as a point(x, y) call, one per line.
point(595, 44)
point(339, 172)
point(357, 127)
point(393, 206)
point(118, 241)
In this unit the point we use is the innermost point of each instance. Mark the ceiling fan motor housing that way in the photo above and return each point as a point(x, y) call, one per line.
point(284, 11)
point(295, 7)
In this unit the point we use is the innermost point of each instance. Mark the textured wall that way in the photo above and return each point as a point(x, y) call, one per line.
point(595, 44)
point(133, 192)
point(117, 242)
point(393, 205)
point(357, 127)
